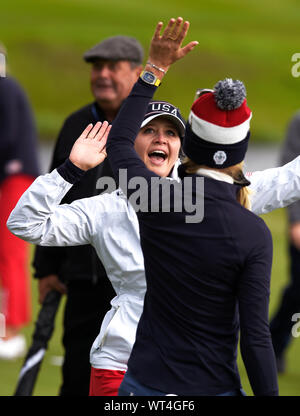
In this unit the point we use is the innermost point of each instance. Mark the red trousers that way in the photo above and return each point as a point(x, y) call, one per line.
point(105, 382)
point(14, 268)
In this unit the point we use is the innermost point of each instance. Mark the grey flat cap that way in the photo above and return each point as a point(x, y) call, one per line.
point(116, 48)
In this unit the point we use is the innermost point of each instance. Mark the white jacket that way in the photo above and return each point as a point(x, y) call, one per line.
point(109, 223)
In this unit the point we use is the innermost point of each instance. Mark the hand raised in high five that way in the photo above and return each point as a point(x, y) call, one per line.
point(166, 49)
point(89, 149)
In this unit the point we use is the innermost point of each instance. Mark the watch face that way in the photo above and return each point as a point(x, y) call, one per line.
point(148, 77)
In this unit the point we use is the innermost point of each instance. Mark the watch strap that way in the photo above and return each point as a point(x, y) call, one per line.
point(157, 81)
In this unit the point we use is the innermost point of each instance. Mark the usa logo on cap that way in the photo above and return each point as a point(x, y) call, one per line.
point(163, 108)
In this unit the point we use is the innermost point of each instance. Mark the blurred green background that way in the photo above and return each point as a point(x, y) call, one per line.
point(253, 40)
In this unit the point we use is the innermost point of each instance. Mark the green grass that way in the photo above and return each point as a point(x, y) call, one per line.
point(50, 377)
point(252, 40)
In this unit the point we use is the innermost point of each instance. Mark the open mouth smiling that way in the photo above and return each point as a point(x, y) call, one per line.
point(157, 156)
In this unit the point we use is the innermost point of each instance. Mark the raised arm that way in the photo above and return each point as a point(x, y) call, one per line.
point(275, 188)
point(39, 219)
point(165, 49)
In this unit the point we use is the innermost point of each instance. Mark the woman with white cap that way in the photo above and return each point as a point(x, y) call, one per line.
point(205, 280)
point(108, 223)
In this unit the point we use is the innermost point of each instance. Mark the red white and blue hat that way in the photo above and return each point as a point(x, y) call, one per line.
point(218, 128)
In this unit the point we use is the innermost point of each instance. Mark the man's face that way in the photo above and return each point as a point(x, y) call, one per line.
point(158, 144)
point(112, 81)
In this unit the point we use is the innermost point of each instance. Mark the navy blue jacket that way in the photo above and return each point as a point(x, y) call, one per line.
point(18, 137)
point(205, 281)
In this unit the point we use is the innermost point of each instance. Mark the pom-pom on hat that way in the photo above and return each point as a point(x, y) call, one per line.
point(217, 131)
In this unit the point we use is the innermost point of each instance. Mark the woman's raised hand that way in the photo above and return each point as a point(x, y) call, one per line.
point(166, 49)
point(89, 149)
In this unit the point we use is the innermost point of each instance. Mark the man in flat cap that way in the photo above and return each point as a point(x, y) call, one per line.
point(115, 67)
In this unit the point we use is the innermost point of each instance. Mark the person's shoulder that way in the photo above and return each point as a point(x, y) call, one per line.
point(11, 86)
point(77, 121)
point(254, 225)
point(10, 82)
point(251, 233)
point(296, 116)
point(293, 127)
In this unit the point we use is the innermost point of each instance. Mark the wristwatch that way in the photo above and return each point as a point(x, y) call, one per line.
point(150, 78)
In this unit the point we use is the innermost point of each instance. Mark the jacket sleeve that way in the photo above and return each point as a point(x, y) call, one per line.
point(120, 144)
point(49, 260)
point(253, 297)
point(275, 188)
point(39, 219)
point(291, 149)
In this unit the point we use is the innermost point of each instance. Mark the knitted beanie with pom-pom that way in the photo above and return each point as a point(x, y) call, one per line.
point(218, 128)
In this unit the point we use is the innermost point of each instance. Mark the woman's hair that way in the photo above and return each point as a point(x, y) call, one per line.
point(236, 172)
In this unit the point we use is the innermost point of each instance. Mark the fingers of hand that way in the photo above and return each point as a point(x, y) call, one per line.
point(107, 131)
point(156, 35)
point(188, 48)
point(61, 288)
point(103, 132)
point(86, 131)
point(97, 132)
point(183, 32)
point(169, 28)
point(92, 134)
point(175, 30)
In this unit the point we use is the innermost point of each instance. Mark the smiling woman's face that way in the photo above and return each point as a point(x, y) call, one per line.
point(158, 144)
